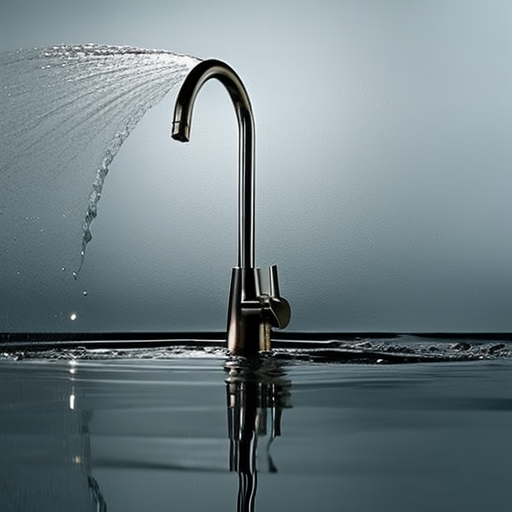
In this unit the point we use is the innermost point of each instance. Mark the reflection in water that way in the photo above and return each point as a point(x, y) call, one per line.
point(101, 506)
point(84, 458)
point(257, 392)
point(140, 435)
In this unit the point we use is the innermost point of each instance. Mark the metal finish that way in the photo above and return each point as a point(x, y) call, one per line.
point(181, 132)
point(251, 312)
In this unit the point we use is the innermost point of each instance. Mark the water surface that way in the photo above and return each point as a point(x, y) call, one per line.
point(162, 433)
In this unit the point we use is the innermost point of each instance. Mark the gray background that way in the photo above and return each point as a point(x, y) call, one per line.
point(383, 168)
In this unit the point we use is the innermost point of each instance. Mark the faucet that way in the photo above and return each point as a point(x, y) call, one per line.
point(252, 311)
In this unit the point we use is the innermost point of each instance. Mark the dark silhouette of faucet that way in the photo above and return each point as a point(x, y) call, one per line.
point(257, 392)
point(251, 311)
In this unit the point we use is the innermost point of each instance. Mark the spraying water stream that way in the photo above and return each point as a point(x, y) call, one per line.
point(65, 111)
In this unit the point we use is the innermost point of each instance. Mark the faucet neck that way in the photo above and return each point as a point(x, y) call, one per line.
point(200, 74)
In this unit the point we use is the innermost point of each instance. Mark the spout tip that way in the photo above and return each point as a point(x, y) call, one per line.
point(180, 132)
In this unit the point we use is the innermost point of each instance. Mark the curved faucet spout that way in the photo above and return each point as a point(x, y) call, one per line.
point(181, 125)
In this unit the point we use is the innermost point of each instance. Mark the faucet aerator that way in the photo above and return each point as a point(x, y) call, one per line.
point(180, 132)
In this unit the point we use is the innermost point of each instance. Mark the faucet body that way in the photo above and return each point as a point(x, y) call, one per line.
point(251, 312)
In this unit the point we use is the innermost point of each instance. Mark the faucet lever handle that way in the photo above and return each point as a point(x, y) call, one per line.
point(273, 281)
point(276, 307)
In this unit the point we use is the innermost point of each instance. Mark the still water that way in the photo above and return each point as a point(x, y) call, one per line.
point(193, 433)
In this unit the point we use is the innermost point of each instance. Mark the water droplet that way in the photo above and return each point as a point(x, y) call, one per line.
point(73, 317)
point(63, 269)
point(87, 237)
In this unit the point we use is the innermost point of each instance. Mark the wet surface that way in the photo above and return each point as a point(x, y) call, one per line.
point(390, 349)
point(159, 429)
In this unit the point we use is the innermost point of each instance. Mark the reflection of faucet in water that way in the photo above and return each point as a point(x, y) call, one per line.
point(251, 313)
point(257, 391)
point(256, 394)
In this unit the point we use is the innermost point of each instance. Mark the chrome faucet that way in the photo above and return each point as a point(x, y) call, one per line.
point(251, 312)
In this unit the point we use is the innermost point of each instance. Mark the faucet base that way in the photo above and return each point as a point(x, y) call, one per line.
point(248, 331)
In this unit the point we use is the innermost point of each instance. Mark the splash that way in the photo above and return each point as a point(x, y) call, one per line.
point(68, 109)
point(344, 349)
